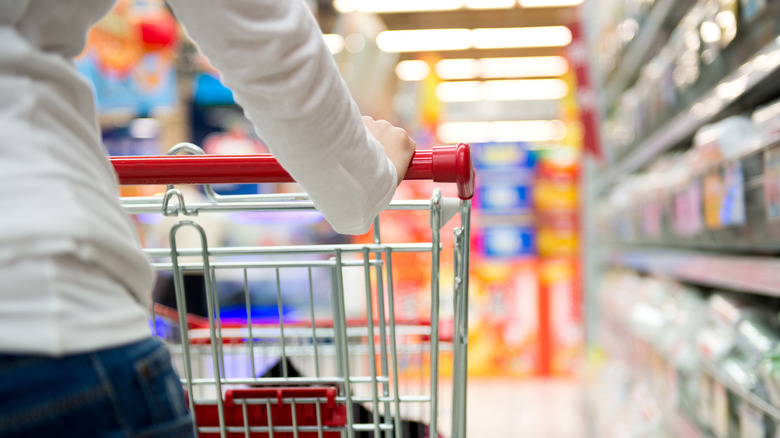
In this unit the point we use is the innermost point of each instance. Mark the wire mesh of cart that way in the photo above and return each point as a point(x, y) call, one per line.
point(321, 373)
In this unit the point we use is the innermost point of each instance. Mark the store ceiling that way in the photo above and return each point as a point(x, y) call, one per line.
point(514, 17)
point(471, 19)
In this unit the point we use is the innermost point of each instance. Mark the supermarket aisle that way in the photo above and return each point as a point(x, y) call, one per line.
point(528, 408)
point(525, 408)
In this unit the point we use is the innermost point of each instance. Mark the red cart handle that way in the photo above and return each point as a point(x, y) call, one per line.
point(279, 393)
point(447, 164)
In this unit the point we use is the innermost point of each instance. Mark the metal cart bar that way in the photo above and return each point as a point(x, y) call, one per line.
point(380, 339)
point(449, 164)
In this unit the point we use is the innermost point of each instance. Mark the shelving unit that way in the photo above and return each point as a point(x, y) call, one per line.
point(741, 258)
point(640, 49)
point(751, 274)
point(749, 79)
point(755, 401)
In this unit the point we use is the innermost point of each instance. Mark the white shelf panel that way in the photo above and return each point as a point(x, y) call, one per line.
point(760, 275)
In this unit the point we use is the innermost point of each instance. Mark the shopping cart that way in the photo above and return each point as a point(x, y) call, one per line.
point(319, 373)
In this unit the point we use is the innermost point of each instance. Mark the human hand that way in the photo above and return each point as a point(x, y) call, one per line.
point(399, 147)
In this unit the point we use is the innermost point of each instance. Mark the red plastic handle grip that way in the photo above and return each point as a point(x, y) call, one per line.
point(279, 393)
point(447, 164)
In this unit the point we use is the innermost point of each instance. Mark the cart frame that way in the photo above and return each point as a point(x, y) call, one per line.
point(443, 164)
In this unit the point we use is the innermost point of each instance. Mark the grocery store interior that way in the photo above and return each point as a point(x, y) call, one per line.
point(624, 269)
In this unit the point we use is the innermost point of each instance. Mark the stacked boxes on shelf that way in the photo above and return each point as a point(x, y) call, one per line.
point(699, 360)
point(722, 191)
point(689, 189)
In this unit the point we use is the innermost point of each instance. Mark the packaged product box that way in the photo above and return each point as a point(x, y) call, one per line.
point(733, 206)
point(720, 410)
point(772, 183)
point(559, 289)
point(751, 422)
point(713, 194)
point(503, 334)
point(688, 218)
point(651, 220)
point(704, 407)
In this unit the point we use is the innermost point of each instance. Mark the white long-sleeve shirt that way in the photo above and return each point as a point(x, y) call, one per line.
point(72, 273)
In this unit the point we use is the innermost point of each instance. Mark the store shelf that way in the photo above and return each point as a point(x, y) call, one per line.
point(745, 79)
point(638, 52)
point(760, 275)
point(752, 399)
point(758, 403)
point(758, 233)
point(714, 227)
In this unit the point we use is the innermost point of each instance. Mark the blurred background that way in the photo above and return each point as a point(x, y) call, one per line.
point(625, 227)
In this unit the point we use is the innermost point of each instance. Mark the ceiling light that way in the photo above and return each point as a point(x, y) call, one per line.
point(521, 89)
point(549, 3)
point(395, 5)
point(531, 66)
point(458, 69)
point(412, 70)
point(424, 40)
point(466, 91)
point(503, 131)
point(335, 42)
point(524, 67)
point(524, 89)
point(460, 39)
point(389, 6)
point(488, 4)
point(510, 37)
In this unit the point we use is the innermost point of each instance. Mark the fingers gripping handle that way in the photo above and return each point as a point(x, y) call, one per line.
point(447, 164)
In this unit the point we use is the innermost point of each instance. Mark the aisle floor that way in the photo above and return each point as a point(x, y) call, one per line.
point(529, 408)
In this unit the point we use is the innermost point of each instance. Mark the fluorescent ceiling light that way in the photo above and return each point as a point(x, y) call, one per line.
point(534, 89)
point(531, 66)
point(488, 4)
point(395, 5)
point(460, 39)
point(524, 67)
point(509, 37)
point(549, 3)
point(412, 70)
point(521, 89)
point(335, 42)
point(389, 6)
point(467, 91)
point(424, 40)
point(458, 69)
point(504, 131)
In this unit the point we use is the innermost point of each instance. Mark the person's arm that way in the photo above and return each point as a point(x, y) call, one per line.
point(270, 53)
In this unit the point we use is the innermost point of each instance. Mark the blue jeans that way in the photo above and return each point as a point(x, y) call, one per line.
point(129, 391)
